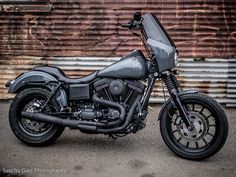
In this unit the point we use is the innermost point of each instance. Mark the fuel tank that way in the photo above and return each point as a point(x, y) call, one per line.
point(132, 66)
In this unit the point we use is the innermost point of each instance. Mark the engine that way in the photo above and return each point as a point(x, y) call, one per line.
point(120, 91)
point(117, 90)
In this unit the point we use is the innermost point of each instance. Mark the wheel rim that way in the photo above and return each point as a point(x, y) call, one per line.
point(205, 127)
point(31, 127)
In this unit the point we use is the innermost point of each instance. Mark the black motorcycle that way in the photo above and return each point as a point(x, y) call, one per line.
point(114, 100)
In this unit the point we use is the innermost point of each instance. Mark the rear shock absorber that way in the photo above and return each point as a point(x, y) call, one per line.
point(52, 94)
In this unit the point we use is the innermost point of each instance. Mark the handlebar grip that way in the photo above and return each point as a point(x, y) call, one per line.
point(126, 25)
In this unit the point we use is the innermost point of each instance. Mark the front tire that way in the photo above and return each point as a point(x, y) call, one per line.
point(211, 127)
point(32, 132)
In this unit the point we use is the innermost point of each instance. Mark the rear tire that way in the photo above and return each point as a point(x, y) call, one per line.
point(32, 132)
point(211, 127)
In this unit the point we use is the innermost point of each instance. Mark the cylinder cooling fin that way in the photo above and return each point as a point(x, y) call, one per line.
point(118, 90)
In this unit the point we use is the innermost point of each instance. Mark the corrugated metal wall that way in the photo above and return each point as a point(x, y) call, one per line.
point(75, 31)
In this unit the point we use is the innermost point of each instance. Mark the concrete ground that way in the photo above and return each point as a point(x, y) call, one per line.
point(137, 155)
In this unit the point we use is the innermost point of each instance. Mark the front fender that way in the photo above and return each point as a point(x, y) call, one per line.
point(169, 101)
point(20, 82)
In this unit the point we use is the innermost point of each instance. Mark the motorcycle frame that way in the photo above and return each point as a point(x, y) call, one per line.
point(169, 78)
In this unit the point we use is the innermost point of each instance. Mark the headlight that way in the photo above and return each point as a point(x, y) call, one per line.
point(176, 58)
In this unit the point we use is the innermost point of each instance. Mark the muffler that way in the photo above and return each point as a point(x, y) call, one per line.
point(58, 121)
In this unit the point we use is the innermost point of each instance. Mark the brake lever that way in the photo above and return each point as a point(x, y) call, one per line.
point(137, 25)
point(128, 25)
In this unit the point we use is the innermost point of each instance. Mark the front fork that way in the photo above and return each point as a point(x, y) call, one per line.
point(174, 89)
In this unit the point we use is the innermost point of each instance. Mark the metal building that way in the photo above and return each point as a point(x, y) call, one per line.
point(81, 36)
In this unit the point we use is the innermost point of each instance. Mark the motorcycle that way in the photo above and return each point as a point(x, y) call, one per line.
point(114, 101)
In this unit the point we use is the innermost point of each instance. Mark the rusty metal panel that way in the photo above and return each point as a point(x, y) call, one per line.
point(23, 1)
point(89, 28)
point(210, 76)
point(14, 8)
point(231, 84)
point(76, 31)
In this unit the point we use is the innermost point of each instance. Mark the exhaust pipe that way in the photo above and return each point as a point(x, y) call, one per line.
point(111, 104)
point(58, 121)
point(127, 120)
point(84, 125)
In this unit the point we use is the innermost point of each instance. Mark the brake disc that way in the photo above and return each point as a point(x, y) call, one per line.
point(200, 127)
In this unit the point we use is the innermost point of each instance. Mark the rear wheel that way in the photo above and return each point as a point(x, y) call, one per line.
point(210, 127)
point(32, 132)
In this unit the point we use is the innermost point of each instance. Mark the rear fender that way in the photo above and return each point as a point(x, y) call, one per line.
point(36, 76)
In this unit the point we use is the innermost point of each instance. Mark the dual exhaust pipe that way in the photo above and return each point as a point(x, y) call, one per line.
point(96, 127)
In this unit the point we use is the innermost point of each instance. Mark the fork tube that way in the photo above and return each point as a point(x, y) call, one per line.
point(175, 97)
point(148, 92)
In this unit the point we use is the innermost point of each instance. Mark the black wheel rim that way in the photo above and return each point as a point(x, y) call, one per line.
point(31, 127)
point(205, 122)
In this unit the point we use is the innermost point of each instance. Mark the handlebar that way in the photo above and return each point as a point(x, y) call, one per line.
point(128, 25)
point(136, 23)
point(132, 25)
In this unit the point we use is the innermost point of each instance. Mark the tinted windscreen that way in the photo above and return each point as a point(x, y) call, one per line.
point(159, 42)
point(153, 30)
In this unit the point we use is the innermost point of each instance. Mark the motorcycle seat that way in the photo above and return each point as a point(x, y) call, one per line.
point(61, 76)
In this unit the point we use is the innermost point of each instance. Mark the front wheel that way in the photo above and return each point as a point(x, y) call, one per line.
point(210, 127)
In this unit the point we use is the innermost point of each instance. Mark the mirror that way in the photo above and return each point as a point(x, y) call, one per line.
point(137, 16)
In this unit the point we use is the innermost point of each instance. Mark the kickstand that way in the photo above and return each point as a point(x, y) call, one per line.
point(150, 108)
point(113, 136)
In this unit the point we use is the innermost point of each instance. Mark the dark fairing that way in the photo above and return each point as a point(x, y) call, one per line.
point(159, 42)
